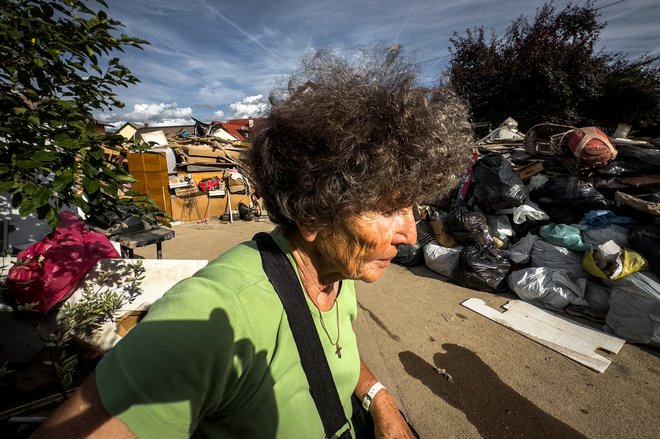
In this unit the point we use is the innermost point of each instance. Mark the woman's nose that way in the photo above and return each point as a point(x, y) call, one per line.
point(406, 232)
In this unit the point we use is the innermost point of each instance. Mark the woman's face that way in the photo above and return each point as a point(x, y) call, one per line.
point(363, 246)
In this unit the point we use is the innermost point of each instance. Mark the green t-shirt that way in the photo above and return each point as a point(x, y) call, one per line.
point(215, 357)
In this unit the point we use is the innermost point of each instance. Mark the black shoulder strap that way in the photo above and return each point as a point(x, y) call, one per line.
point(322, 386)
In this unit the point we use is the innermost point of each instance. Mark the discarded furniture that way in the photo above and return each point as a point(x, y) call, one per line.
point(131, 241)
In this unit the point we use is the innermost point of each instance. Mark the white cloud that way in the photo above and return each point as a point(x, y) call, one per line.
point(154, 114)
point(250, 106)
point(218, 115)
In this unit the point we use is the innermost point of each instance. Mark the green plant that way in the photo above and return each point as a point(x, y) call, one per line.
point(55, 70)
point(78, 321)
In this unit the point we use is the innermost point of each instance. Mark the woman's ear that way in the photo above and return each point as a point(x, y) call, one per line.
point(307, 234)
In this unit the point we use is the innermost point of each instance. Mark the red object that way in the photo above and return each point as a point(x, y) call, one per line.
point(591, 146)
point(209, 184)
point(48, 271)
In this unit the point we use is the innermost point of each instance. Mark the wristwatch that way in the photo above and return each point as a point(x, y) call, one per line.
point(371, 394)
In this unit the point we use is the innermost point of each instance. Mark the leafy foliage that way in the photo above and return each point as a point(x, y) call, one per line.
point(55, 69)
point(549, 71)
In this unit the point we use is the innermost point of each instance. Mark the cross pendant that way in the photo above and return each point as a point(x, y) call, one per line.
point(338, 351)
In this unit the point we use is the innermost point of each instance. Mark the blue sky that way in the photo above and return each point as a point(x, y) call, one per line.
point(215, 60)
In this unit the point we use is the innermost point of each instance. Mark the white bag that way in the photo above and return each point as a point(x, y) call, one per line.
point(528, 211)
point(441, 259)
point(546, 286)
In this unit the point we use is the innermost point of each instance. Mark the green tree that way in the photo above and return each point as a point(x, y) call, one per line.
point(548, 70)
point(55, 70)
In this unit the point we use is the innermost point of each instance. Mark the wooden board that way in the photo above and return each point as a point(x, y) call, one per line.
point(150, 169)
point(571, 339)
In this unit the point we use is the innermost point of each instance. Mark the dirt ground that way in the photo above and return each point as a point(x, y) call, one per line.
point(502, 385)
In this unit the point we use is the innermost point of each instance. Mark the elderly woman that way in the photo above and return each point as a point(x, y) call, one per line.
point(342, 155)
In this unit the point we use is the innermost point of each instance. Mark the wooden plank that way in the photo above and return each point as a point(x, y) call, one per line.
point(643, 181)
point(529, 170)
point(571, 339)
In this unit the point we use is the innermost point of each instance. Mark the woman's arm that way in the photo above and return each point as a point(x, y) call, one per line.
point(388, 421)
point(83, 416)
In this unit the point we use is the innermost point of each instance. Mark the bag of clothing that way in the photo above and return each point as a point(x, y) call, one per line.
point(566, 198)
point(646, 240)
point(441, 259)
point(468, 227)
point(635, 308)
point(496, 184)
point(564, 236)
point(547, 286)
point(553, 256)
point(48, 271)
point(481, 268)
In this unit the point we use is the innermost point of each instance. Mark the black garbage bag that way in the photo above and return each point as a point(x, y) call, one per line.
point(412, 255)
point(482, 268)
point(496, 184)
point(468, 227)
point(566, 198)
point(632, 161)
point(646, 240)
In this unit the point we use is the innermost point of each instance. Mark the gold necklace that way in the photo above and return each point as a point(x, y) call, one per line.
point(336, 343)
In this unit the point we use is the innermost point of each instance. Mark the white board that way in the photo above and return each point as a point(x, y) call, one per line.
point(159, 276)
point(571, 339)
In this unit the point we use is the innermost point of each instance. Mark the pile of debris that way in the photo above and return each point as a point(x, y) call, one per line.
point(566, 218)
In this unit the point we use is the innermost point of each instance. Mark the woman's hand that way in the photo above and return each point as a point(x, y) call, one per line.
point(388, 421)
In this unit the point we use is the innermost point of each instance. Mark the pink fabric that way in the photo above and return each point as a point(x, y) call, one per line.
point(48, 271)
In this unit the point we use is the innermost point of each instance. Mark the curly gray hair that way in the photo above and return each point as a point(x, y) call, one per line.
point(344, 138)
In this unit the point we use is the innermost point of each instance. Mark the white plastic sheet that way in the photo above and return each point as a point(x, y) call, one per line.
point(547, 286)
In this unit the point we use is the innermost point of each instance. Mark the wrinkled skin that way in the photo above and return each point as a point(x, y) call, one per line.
point(362, 247)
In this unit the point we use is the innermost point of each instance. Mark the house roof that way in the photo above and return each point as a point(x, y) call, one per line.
point(231, 129)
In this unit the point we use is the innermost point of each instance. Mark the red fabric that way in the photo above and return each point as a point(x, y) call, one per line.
point(48, 271)
point(597, 149)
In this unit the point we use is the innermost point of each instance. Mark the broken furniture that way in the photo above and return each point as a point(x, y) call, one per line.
point(131, 241)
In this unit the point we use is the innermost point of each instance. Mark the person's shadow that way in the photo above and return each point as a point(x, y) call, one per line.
point(188, 351)
point(494, 408)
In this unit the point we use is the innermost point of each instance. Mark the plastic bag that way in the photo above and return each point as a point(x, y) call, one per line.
point(632, 161)
point(565, 198)
point(441, 259)
point(547, 286)
point(468, 227)
point(545, 254)
point(635, 308)
point(48, 271)
point(600, 218)
point(646, 240)
point(564, 236)
point(521, 251)
point(597, 296)
point(529, 211)
point(481, 268)
point(412, 255)
point(609, 261)
point(600, 235)
point(497, 186)
point(500, 227)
